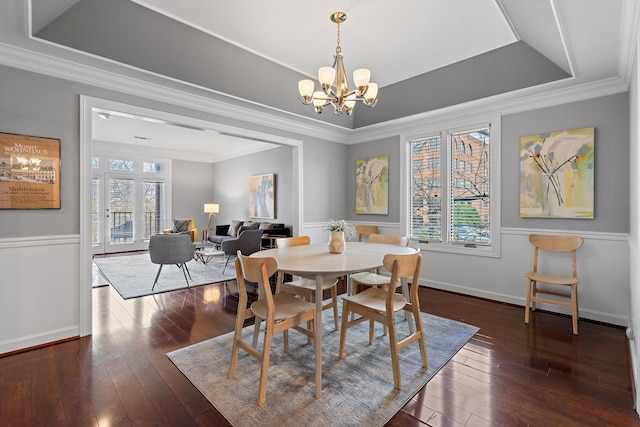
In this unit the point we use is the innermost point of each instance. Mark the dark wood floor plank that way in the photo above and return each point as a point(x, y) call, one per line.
point(509, 374)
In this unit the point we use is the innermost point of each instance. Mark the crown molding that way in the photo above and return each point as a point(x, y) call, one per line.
point(517, 101)
point(42, 63)
point(503, 104)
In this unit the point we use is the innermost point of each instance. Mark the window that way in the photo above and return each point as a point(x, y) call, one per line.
point(452, 209)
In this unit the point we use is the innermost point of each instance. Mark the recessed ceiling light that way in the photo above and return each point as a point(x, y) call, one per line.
point(104, 116)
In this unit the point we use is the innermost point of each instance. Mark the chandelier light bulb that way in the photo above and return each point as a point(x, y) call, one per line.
point(361, 77)
point(326, 76)
point(371, 95)
point(305, 88)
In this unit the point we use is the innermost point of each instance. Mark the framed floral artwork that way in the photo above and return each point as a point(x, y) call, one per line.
point(262, 196)
point(372, 185)
point(557, 174)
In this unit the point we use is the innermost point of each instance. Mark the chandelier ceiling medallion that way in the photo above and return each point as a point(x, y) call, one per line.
point(335, 88)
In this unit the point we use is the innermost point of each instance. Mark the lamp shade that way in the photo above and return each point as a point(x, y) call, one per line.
point(211, 208)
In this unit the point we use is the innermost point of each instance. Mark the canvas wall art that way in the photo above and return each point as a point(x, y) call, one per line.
point(262, 196)
point(372, 185)
point(557, 174)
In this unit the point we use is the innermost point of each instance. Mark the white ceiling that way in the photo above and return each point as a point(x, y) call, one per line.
point(583, 37)
point(374, 36)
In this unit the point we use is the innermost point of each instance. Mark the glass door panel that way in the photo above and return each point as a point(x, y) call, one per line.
point(153, 209)
point(120, 224)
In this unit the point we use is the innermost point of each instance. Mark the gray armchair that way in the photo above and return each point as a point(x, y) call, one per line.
point(247, 243)
point(171, 249)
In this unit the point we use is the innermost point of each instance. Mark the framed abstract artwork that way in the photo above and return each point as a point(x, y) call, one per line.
point(372, 185)
point(262, 196)
point(29, 172)
point(557, 174)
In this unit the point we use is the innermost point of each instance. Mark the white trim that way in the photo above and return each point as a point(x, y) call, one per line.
point(33, 340)
point(592, 235)
point(87, 105)
point(494, 121)
point(508, 103)
point(38, 241)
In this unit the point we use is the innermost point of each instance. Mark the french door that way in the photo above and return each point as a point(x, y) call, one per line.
point(126, 210)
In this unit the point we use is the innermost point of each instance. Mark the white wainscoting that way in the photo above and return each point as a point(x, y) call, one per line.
point(39, 290)
point(603, 267)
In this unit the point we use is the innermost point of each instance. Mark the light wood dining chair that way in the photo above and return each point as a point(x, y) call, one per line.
point(380, 305)
point(364, 231)
point(372, 278)
point(304, 287)
point(543, 243)
point(280, 312)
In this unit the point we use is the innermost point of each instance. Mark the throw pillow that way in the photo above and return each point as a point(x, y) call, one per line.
point(265, 226)
point(181, 225)
point(234, 227)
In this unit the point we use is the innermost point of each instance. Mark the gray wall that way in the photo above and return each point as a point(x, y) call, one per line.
point(384, 147)
point(191, 189)
point(230, 187)
point(32, 104)
point(325, 180)
point(609, 115)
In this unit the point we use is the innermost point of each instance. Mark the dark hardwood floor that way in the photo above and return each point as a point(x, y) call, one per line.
point(509, 374)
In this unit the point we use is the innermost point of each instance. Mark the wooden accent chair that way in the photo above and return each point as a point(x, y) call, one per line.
point(281, 312)
point(366, 231)
point(553, 244)
point(381, 305)
point(304, 287)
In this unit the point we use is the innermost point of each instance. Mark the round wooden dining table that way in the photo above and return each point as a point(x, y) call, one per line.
point(316, 262)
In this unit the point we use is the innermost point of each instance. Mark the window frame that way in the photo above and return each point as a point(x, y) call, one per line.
point(445, 129)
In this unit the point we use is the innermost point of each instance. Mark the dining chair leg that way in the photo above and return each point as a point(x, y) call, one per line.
point(422, 340)
point(264, 369)
point(527, 303)
point(343, 328)
point(256, 332)
point(574, 308)
point(334, 297)
point(395, 359)
point(371, 328)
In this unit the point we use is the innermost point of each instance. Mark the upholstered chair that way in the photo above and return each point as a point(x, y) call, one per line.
point(171, 249)
point(184, 225)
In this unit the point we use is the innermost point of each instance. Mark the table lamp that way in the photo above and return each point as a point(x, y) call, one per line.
point(212, 209)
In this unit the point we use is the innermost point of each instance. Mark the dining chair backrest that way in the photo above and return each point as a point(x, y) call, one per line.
point(366, 230)
point(404, 266)
point(392, 240)
point(555, 244)
point(256, 270)
point(283, 242)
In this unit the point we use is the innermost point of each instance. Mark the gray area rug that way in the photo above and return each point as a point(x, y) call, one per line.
point(357, 391)
point(133, 275)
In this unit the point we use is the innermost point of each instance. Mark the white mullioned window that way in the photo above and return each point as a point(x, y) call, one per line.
point(456, 207)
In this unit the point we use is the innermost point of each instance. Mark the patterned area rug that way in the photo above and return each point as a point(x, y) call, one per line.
point(357, 391)
point(133, 275)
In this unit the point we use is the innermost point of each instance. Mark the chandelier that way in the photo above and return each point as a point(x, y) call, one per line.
point(335, 88)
